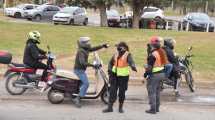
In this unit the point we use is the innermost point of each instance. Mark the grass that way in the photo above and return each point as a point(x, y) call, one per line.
point(62, 40)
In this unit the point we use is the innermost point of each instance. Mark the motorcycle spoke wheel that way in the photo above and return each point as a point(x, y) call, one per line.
point(10, 84)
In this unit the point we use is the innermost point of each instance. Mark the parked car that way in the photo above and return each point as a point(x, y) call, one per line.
point(197, 22)
point(42, 12)
point(113, 18)
point(152, 13)
point(71, 15)
point(18, 11)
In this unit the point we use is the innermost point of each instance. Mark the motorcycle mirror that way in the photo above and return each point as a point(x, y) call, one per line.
point(190, 48)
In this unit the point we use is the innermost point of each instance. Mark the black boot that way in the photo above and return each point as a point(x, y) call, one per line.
point(109, 108)
point(151, 111)
point(121, 107)
point(157, 109)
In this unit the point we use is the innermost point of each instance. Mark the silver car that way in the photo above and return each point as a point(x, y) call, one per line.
point(42, 12)
point(19, 10)
point(71, 15)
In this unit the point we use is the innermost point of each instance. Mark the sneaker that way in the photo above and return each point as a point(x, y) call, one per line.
point(151, 111)
point(76, 101)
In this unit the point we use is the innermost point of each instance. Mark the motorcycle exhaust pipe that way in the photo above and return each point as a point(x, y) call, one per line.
point(24, 86)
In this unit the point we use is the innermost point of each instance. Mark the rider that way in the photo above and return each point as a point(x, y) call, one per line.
point(81, 64)
point(169, 45)
point(155, 73)
point(118, 70)
point(32, 53)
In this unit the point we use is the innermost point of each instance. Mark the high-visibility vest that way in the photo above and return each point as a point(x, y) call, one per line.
point(120, 67)
point(161, 60)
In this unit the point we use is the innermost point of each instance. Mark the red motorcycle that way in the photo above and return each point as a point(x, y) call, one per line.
point(20, 77)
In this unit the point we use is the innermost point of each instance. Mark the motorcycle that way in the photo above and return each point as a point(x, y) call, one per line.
point(20, 77)
point(67, 84)
point(184, 69)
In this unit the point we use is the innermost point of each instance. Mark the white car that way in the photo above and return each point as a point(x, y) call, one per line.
point(148, 13)
point(113, 18)
point(19, 10)
point(152, 12)
point(71, 15)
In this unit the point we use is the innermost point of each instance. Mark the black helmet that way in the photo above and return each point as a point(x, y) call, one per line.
point(169, 42)
point(122, 47)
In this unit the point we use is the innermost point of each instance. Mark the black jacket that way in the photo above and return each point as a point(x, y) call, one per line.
point(32, 53)
point(170, 55)
point(81, 60)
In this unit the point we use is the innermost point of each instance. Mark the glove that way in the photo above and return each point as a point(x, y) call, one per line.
point(145, 75)
point(97, 66)
point(105, 45)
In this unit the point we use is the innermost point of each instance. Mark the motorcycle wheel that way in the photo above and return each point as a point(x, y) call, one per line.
point(105, 96)
point(189, 80)
point(10, 84)
point(55, 96)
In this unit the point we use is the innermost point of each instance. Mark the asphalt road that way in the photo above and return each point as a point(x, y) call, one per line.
point(34, 105)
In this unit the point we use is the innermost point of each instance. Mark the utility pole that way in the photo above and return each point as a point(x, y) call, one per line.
point(4, 5)
point(206, 7)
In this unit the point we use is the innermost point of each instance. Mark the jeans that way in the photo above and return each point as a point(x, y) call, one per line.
point(168, 69)
point(84, 81)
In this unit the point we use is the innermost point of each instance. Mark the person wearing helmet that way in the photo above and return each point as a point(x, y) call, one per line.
point(171, 68)
point(81, 64)
point(154, 72)
point(118, 70)
point(32, 53)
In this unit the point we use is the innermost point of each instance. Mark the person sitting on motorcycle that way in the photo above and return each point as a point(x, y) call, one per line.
point(171, 67)
point(32, 53)
point(118, 70)
point(81, 64)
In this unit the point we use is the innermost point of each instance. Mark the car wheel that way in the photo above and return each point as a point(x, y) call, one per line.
point(71, 22)
point(55, 23)
point(17, 15)
point(85, 22)
point(38, 17)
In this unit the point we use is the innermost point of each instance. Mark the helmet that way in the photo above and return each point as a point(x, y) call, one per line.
point(84, 42)
point(169, 42)
point(35, 36)
point(122, 47)
point(155, 41)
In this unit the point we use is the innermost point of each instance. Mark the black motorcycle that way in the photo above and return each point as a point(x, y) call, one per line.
point(184, 69)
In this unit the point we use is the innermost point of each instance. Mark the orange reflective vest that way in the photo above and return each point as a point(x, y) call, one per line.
point(121, 65)
point(161, 60)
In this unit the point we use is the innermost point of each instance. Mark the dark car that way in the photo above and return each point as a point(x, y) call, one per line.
point(197, 22)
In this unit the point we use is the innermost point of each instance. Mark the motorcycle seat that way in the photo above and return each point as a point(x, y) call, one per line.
point(17, 65)
point(67, 74)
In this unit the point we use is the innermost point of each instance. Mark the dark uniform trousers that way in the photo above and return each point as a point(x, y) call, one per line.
point(153, 88)
point(118, 83)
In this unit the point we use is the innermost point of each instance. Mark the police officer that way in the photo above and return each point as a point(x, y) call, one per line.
point(155, 73)
point(118, 70)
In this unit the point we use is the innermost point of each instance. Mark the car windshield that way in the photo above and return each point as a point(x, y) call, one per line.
point(112, 13)
point(20, 6)
point(202, 17)
point(68, 10)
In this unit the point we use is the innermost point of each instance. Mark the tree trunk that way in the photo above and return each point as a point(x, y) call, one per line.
point(136, 17)
point(103, 16)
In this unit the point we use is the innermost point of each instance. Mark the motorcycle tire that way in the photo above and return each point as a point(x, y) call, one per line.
point(105, 96)
point(10, 86)
point(189, 80)
point(55, 96)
